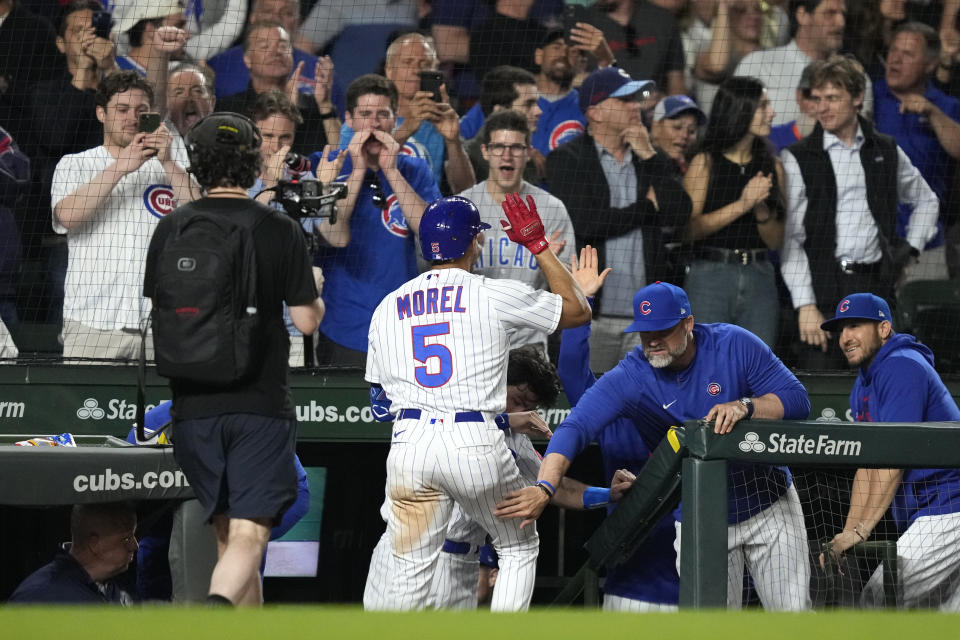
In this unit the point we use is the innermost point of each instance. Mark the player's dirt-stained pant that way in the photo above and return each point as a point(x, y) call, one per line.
point(773, 546)
point(454, 584)
point(433, 462)
point(928, 561)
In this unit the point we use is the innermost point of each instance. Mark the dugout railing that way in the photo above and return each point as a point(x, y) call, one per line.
point(691, 464)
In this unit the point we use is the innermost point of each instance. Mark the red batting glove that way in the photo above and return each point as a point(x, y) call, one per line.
point(525, 226)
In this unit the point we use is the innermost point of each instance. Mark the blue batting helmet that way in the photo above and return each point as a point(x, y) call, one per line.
point(448, 227)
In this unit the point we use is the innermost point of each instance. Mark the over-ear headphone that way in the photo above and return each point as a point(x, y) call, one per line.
point(222, 130)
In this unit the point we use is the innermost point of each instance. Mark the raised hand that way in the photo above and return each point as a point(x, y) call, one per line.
point(387, 158)
point(292, 87)
point(329, 168)
point(586, 273)
point(169, 40)
point(355, 149)
point(322, 82)
point(132, 156)
point(523, 224)
point(588, 38)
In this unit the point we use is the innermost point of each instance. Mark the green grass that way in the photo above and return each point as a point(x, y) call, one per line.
point(329, 623)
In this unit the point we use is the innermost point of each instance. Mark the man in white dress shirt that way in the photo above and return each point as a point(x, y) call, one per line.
point(844, 182)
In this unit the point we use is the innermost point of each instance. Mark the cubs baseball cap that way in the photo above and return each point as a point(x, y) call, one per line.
point(658, 306)
point(224, 130)
point(610, 82)
point(859, 306)
point(673, 106)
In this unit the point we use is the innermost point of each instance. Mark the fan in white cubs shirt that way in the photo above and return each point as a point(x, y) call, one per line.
point(108, 201)
point(438, 346)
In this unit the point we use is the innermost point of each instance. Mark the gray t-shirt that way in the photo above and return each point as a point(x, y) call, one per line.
point(502, 258)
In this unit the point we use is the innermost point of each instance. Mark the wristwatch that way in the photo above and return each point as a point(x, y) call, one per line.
point(748, 405)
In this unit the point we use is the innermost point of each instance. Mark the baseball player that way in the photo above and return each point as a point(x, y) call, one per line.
point(897, 383)
point(531, 382)
point(647, 580)
point(685, 371)
point(438, 347)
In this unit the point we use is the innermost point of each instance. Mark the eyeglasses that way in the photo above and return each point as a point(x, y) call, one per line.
point(498, 148)
point(378, 198)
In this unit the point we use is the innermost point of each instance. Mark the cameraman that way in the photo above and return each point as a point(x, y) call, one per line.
point(277, 117)
point(236, 443)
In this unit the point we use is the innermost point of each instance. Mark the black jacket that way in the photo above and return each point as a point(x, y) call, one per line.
point(64, 581)
point(574, 175)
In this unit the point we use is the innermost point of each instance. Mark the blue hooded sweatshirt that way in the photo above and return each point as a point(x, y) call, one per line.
point(901, 385)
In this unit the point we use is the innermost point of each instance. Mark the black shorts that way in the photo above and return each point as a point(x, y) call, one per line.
point(239, 464)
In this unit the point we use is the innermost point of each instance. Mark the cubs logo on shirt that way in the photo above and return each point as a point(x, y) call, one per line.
point(714, 388)
point(159, 200)
point(393, 219)
point(565, 132)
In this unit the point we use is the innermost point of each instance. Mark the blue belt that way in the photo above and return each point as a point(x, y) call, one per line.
point(463, 416)
point(459, 548)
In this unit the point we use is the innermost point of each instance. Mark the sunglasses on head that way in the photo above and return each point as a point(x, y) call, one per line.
point(379, 199)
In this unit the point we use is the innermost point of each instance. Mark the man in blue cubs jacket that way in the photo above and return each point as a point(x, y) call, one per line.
point(686, 371)
point(897, 383)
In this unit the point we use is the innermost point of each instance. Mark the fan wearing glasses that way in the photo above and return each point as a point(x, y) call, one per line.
point(505, 139)
point(102, 545)
point(387, 193)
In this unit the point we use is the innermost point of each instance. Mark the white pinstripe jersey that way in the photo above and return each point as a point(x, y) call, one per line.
point(440, 342)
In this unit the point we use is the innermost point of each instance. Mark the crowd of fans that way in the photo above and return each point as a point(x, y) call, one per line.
point(740, 148)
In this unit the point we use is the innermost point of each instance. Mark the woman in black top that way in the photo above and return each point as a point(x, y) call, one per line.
point(737, 188)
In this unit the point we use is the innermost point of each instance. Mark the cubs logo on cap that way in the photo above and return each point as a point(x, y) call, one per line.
point(658, 306)
point(859, 306)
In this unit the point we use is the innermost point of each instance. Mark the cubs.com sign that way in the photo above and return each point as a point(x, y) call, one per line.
point(821, 445)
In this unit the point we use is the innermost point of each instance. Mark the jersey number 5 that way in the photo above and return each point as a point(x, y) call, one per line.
point(422, 352)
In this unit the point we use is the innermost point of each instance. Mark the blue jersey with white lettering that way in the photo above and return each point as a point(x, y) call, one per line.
point(381, 255)
point(560, 122)
point(730, 363)
point(650, 574)
point(901, 385)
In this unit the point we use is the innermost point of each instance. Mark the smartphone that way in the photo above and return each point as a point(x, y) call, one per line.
point(571, 16)
point(149, 122)
point(431, 81)
point(102, 23)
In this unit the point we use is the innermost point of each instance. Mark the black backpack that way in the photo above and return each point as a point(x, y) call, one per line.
point(205, 318)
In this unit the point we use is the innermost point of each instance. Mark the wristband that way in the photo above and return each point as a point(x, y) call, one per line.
point(503, 421)
point(595, 497)
point(547, 487)
point(328, 115)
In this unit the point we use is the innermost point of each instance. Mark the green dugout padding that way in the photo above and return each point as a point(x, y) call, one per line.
point(332, 405)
